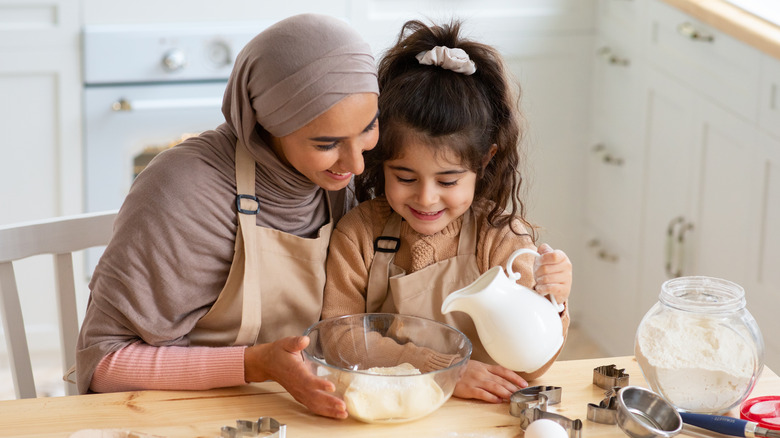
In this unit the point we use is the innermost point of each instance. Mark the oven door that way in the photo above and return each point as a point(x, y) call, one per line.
point(125, 125)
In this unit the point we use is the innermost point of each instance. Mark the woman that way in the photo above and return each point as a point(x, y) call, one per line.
point(217, 264)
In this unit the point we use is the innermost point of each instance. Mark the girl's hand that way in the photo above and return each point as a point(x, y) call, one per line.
point(282, 362)
point(552, 271)
point(490, 383)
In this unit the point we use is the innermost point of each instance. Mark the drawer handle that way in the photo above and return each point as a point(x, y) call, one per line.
point(688, 30)
point(602, 253)
point(606, 156)
point(611, 58)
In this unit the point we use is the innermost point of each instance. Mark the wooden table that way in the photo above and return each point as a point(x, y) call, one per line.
point(203, 413)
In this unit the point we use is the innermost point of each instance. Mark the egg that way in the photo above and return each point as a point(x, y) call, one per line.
point(543, 428)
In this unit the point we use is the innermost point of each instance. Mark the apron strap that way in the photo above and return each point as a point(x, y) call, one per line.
point(248, 207)
point(467, 242)
point(385, 247)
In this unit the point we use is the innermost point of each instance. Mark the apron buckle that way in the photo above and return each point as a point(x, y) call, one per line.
point(392, 245)
point(251, 197)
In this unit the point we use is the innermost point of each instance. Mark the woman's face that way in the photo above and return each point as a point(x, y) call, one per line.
point(429, 190)
point(329, 149)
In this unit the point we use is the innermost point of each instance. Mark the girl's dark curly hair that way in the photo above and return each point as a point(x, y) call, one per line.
point(466, 114)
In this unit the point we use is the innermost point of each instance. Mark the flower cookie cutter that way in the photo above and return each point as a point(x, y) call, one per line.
point(263, 425)
point(530, 404)
point(609, 376)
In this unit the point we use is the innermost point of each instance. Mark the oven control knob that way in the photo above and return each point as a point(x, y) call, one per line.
point(219, 54)
point(174, 59)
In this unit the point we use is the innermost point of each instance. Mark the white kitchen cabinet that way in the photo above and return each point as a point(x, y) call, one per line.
point(700, 189)
point(40, 169)
point(763, 293)
point(694, 192)
point(40, 122)
point(719, 67)
point(702, 185)
point(608, 265)
point(769, 92)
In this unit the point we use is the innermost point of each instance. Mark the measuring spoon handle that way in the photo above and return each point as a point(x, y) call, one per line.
point(716, 423)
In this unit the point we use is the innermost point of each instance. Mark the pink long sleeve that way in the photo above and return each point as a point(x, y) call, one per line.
point(142, 366)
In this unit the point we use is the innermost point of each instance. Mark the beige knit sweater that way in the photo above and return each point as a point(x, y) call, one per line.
point(351, 253)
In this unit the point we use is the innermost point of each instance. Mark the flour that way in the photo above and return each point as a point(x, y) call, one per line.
point(388, 398)
point(699, 364)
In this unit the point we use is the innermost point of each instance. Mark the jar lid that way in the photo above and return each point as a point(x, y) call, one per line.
point(762, 410)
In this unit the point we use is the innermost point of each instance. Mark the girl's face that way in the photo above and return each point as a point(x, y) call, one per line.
point(329, 149)
point(429, 190)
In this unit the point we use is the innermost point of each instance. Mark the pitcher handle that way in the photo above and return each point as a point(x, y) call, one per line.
point(514, 276)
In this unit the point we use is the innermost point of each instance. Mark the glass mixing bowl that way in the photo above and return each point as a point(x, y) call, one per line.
point(699, 347)
point(388, 368)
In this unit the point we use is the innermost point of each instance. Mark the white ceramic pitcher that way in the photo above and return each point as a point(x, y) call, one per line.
point(520, 329)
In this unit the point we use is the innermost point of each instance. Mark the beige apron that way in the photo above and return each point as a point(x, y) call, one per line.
point(276, 278)
point(421, 293)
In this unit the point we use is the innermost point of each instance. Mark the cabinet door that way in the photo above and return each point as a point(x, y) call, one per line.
point(614, 158)
point(726, 193)
point(763, 294)
point(605, 295)
point(40, 141)
point(608, 264)
point(669, 168)
point(702, 185)
point(769, 109)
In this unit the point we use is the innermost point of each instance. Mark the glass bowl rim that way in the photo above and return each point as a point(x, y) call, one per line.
point(320, 362)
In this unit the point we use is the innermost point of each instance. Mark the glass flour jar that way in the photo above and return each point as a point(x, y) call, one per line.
point(698, 346)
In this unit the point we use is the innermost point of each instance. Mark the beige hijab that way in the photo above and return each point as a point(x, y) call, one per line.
point(175, 233)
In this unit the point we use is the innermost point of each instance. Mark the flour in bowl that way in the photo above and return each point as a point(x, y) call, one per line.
point(700, 365)
point(399, 392)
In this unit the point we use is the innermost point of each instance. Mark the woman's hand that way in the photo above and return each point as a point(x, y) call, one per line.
point(282, 362)
point(552, 271)
point(490, 383)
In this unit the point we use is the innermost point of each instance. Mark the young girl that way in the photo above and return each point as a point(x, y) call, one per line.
point(444, 168)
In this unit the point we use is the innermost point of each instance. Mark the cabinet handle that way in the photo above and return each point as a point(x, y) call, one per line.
point(670, 248)
point(166, 104)
point(606, 156)
point(688, 30)
point(684, 228)
point(602, 253)
point(675, 246)
point(611, 58)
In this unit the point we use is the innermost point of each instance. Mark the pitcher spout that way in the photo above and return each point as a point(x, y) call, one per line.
point(453, 302)
point(463, 300)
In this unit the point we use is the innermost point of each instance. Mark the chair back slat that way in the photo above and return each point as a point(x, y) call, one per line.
point(59, 237)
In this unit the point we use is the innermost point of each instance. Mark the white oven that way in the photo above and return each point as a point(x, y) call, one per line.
point(145, 87)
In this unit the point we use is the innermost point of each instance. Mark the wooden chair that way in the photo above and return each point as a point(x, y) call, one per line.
point(60, 237)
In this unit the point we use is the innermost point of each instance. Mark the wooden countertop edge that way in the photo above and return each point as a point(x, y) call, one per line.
point(734, 21)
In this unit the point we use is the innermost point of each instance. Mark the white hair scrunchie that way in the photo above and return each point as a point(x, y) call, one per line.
point(456, 60)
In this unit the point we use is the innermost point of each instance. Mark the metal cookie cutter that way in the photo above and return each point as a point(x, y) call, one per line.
point(264, 425)
point(520, 402)
point(530, 404)
point(606, 411)
point(608, 377)
point(553, 393)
